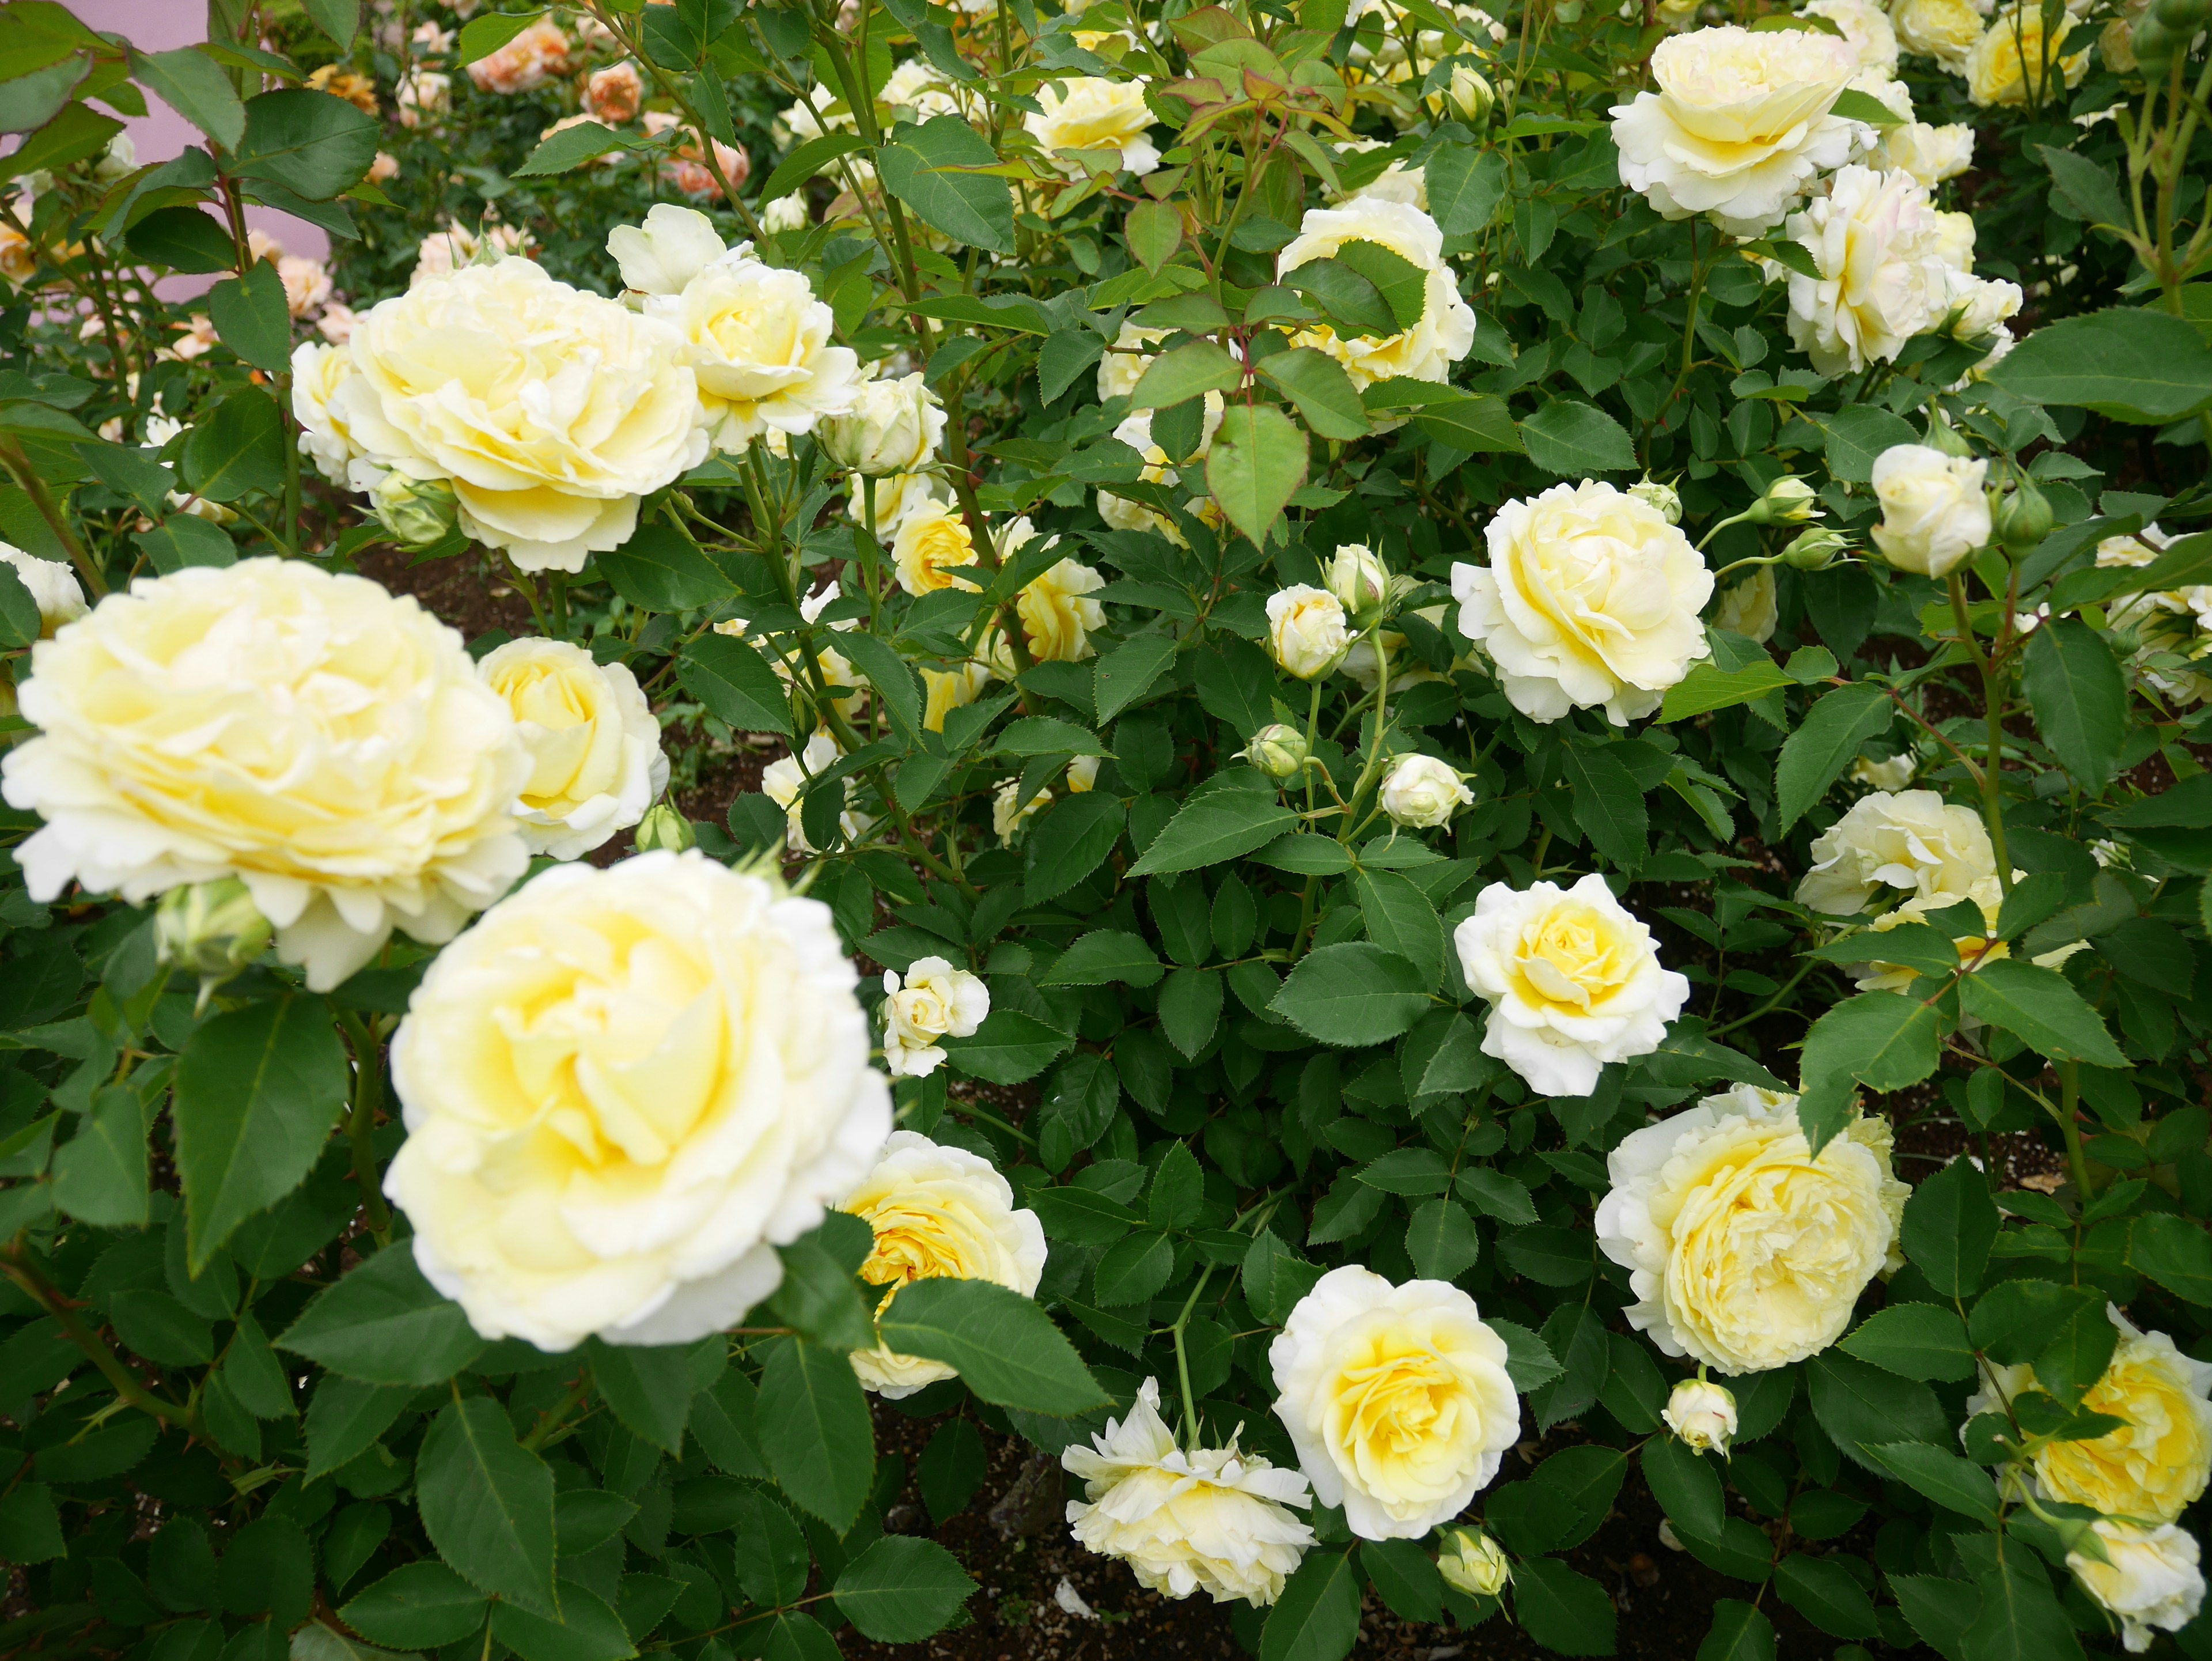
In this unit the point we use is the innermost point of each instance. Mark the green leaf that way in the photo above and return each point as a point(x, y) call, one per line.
point(1955, 1483)
point(419, 1606)
point(194, 85)
point(1576, 440)
point(257, 1091)
point(483, 36)
point(1608, 804)
point(571, 148)
point(1466, 183)
point(1004, 1346)
point(1104, 957)
point(1563, 1610)
point(344, 1417)
point(1941, 1611)
point(648, 1386)
point(1708, 687)
point(810, 158)
point(818, 1298)
point(2144, 367)
point(2080, 699)
point(1857, 434)
point(814, 1427)
point(1686, 1486)
point(2041, 1006)
point(1822, 1590)
point(1217, 821)
point(29, 102)
point(2083, 188)
point(384, 1324)
point(1127, 673)
point(587, 1630)
point(922, 170)
point(1352, 994)
point(1275, 1278)
point(1008, 1047)
point(1187, 372)
point(1861, 1407)
point(1257, 463)
point(1740, 1633)
point(30, 1526)
point(1190, 1009)
point(901, 1589)
point(1478, 424)
point(1316, 384)
point(2020, 1619)
point(1884, 1040)
point(1402, 283)
point(735, 684)
point(1407, 1577)
point(1401, 918)
point(1442, 1240)
point(99, 1173)
point(1067, 355)
point(1317, 1616)
point(1915, 1340)
point(661, 569)
point(184, 539)
point(313, 143)
point(252, 316)
point(156, 1326)
point(339, 19)
point(1497, 1195)
point(1355, 308)
point(1814, 756)
point(77, 134)
point(2075, 1356)
point(20, 621)
point(487, 1503)
point(2174, 1252)
point(1950, 1224)
point(237, 450)
point(1133, 1269)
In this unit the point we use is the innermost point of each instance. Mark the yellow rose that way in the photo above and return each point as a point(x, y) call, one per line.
point(1945, 30)
point(760, 343)
point(1444, 334)
point(1210, 1518)
point(932, 543)
point(318, 371)
point(2008, 65)
point(51, 584)
point(2155, 1466)
point(1057, 616)
point(932, 1000)
point(1089, 112)
point(552, 411)
point(1745, 1253)
point(2149, 1578)
point(1911, 846)
point(623, 1089)
point(595, 759)
point(1397, 1398)
point(1748, 608)
point(1306, 630)
point(952, 689)
point(938, 1212)
point(326, 744)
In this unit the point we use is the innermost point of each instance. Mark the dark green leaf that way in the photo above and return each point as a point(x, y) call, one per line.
point(1004, 1346)
point(237, 450)
point(2140, 366)
point(1317, 1617)
point(1814, 756)
point(1950, 1224)
point(1574, 440)
point(901, 1589)
point(417, 1606)
point(1915, 1340)
point(1215, 824)
point(487, 1503)
point(253, 318)
point(2080, 701)
point(313, 143)
point(384, 1324)
point(649, 1388)
point(2041, 1006)
point(1561, 1609)
point(1352, 994)
point(814, 1429)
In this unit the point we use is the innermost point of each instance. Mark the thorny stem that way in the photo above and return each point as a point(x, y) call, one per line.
point(1992, 779)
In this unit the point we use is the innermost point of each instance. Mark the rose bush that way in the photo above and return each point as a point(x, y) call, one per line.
point(1380, 771)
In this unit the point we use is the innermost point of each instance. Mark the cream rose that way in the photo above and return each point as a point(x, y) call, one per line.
point(318, 372)
point(1702, 1415)
point(1057, 614)
point(2149, 1579)
point(310, 734)
point(1912, 847)
point(1934, 514)
point(52, 585)
point(1306, 630)
point(1866, 29)
point(1359, 580)
point(1740, 124)
point(1089, 112)
point(1212, 1519)
point(1445, 331)
point(1880, 248)
point(1127, 360)
point(932, 544)
point(1009, 814)
point(595, 759)
point(1082, 775)
point(1590, 598)
point(1397, 1398)
point(1572, 979)
point(1892, 775)
point(1930, 155)
point(623, 1089)
point(661, 256)
point(934, 1001)
point(893, 427)
point(938, 1214)
point(1744, 1252)
point(2156, 1464)
point(784, 780)
point(2006, 65)
point(1423, 792)
point(1945, 30)
point(759, 342)
point(551, 411)
point(1748, 607)
point(1472, 1562)
point(900, 497)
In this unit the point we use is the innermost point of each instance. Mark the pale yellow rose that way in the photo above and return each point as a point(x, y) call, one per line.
point(893, 427)
point(662, 255)
point(552, 411)
point(938, 1212)
point(624, 1088)
point(761, 345)
point(1883, 258)
point(1056, 612)
point(947, 690)
point(318, 373)
point(1744, 1252)
point(1945, 30)
point(1930, 155)
point(51, 584)
point(934, 541)
point(1209, 1519)
point(1912, 847)
point(1702, 1415)
point(1444, 334)
point(1423, 792)
point(1590, 598)
point(1397, 1398)
point(899, 498)
point(595, 759)
point(1748, 607)
point(1089, 112)
point(2156, 1464)
point(2149, 1578)
point(1573, 978)
point(1008, 815)
point(1124, 363)
point(1740, 125)
point(932, 1000)
point(2008, 65)
point(308, 733)
point(1306, 630)
point(1935, 513)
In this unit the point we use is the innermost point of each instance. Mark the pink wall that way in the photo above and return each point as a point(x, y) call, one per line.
point(158, 25)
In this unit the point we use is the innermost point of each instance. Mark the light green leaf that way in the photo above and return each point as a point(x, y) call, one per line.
point(1187, 372)
point(922, 171)
point(2041, 1006)
point(1258, 461)
point(194, 85)
point(2144, 367)
point(1316, 384)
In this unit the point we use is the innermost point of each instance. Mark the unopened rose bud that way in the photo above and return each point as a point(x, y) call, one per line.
point(2023, 519)
point(1942, 435)
point(1278, 750)
point(664, 828)
point(1816, 550)
point(211, 929)
point(417, 512)
point(1661, 497)
point(1359, 580)
point(1789, 501)
point(1472, 1562)
point(1702, 1415)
